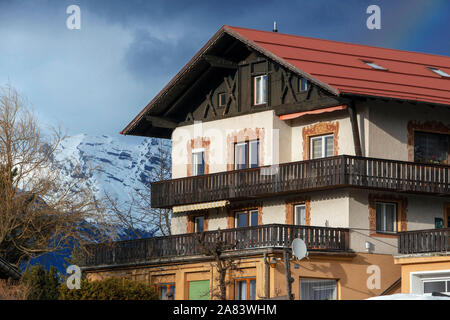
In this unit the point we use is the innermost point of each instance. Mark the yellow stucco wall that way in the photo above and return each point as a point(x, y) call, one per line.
point(419, 264)
point(350, 272)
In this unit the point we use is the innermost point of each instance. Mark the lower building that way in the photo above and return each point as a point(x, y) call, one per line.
point(424, 258)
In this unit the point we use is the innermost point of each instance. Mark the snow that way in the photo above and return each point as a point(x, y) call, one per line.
point(406, 296)
point(122, 168)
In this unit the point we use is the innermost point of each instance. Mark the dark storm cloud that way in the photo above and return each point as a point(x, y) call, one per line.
point(126, 51)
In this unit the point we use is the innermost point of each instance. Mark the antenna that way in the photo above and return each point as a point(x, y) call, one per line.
point(275, 27)
point(299, 249)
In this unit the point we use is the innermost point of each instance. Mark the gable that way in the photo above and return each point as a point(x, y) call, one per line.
point(283, 91)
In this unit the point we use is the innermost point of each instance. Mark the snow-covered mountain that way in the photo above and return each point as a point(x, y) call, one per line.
point(121, 168)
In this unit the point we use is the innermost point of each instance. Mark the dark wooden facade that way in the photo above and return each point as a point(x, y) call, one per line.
point(238, 239)
point(302, 176)
point(227, 67)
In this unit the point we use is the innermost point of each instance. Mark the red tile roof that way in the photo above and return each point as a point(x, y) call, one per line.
point(341, 66)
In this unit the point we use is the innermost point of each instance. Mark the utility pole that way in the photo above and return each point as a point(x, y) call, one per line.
point(289, 279)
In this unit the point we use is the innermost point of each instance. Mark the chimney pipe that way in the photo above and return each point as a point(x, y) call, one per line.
point(275, 27)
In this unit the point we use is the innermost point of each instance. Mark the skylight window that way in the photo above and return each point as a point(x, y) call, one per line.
point(439, 72)
point(374, 65)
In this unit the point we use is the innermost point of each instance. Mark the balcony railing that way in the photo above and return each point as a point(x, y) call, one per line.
point(326, 173)
point(264, 236)
point(424, 241)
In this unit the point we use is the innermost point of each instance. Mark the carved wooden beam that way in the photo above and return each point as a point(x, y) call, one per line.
point(218, 62)
point(162, 122)
point(191, 88)
point(355, 129)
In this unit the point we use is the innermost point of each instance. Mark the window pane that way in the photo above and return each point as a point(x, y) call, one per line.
point(431, 147)
point(257, 90)
point(163, 293)
point(379, 214)
point(317, 289)
point(171, 295)
point(199, 224)
point(260, 89)
point(254, 154)
point(316, 147)
point(300, 215)
point(390, 217)
point(253, 218)
point(242, 219)
point(241, 290)
point(252, 289)
point(303, 84)
point(433, 286)
point(386, 217)
point(198, 163)
point(264, 89)
point(240, 156)
point(329, 146)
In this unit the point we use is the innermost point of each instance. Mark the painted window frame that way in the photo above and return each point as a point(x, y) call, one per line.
point(194, 164)
point(248, 154)
point(219, 96)
point(249, 213)
point(396, 216)
point(323, 137)
point(247, 281)
point(263, 87)
point(303, 85)
point(295, 213)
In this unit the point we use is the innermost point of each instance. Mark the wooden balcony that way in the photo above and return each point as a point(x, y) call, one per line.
point(184, 245)
point(424, 241)
point(294, 177)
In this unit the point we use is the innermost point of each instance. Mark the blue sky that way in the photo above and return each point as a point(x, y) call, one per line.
point(96, 79)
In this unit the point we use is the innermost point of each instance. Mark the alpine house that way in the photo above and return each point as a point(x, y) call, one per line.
point(277, 137)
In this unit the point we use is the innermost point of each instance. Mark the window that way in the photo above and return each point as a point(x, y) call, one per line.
point(300, 215)
point(245, 289)
point(427, 282)
point(303, 84)
point(431, 147)
point(439, 72)
point(222, 99)
point(166, 291)
point(260, 90)
point(246, 154)
point(199, 223)
point(386, 217)
point(198, 162)
point(318, 289)
point(247, 218)
point(373, 65)
point(436, 285)
point(322, 146)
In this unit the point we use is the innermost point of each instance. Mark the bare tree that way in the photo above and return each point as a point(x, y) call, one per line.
point(138, 215)
point(215, 247)
point(39, 211)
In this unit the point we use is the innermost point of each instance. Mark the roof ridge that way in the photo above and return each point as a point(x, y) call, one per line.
point(341, 42)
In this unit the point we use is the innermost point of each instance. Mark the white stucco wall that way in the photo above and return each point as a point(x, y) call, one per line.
point(388, 127)
point(217, 132)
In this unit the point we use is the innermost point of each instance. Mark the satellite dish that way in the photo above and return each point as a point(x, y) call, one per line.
point(299, 249)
